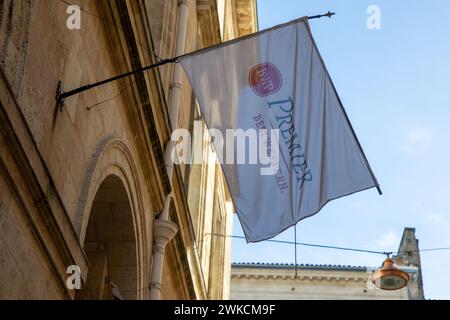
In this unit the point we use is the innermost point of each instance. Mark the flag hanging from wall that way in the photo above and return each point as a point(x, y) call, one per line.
point(276, 80)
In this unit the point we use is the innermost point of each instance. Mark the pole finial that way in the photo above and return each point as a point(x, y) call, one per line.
point(329, 14)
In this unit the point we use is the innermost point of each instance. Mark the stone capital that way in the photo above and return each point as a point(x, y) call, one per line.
point(163, 232)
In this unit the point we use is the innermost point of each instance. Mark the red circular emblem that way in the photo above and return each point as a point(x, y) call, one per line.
point(265, 79)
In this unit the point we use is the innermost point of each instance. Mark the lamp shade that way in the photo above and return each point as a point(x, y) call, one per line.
point(389, 277)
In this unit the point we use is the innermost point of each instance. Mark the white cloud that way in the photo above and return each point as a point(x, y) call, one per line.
point(417, 140)
point(389, 241)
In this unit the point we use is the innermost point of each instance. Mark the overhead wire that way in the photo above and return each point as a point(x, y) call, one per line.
point(388, 253)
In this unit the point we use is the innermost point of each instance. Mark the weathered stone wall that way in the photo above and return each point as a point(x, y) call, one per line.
point(25, 271)
point(54, 160)
point(312, 283)
point(74, 143)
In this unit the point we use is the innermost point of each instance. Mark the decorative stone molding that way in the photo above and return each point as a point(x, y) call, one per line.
point(208, 20)
point(325, 278)
point(183, 2)
point(163, 232)
point(246, 16)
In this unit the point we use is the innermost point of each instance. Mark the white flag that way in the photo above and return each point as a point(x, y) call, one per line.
point(276, 79)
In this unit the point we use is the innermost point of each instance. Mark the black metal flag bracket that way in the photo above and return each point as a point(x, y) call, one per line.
point(61, 95)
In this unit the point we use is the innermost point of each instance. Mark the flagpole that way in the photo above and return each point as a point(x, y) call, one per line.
point(295, 246)
point(61, 95)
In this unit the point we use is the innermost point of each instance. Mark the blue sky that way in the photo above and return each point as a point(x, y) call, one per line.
point(395, 85)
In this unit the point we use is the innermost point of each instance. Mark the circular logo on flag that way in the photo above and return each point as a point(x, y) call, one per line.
point(265, 79)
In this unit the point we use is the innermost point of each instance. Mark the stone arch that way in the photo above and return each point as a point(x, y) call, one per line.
point(110, 245)
point(112, 167)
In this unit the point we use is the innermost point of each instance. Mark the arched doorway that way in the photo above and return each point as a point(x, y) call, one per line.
point(110, 245)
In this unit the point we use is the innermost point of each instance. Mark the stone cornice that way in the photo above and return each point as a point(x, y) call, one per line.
point(275, 266)
point(313, 277)
point(208, 20)
point(246, 16)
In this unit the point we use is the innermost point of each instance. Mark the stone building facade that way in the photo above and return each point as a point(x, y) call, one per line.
point(277, 281)
point(82, 184)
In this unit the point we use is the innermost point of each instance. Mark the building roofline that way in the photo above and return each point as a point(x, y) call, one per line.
point(299, 266)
